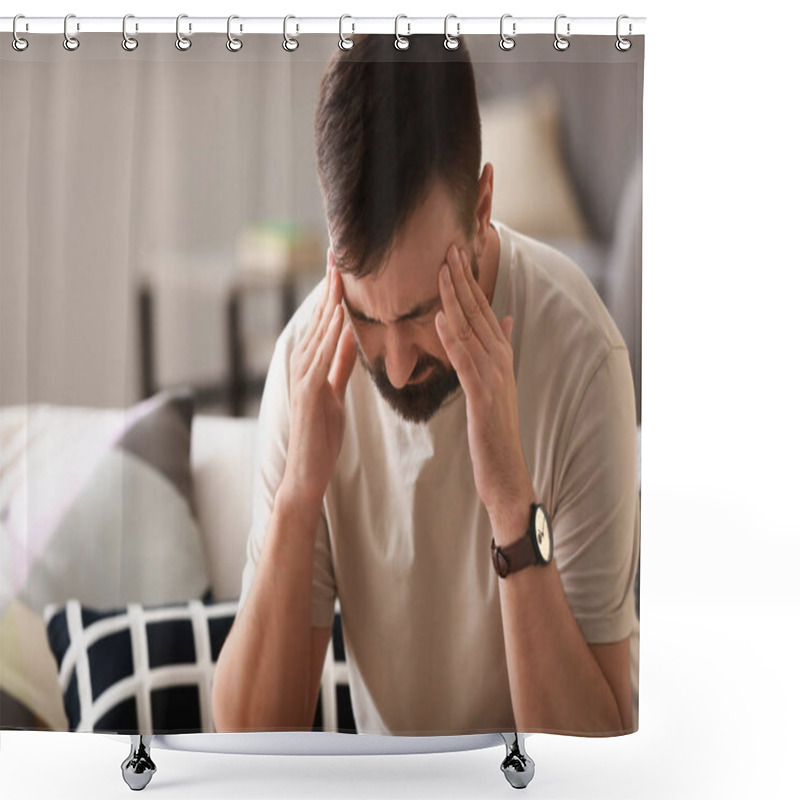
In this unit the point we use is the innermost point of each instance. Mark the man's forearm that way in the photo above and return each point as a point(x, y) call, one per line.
point(556, 683)
point(262, 674)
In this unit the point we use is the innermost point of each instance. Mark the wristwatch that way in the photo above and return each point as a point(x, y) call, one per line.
point(535, 547)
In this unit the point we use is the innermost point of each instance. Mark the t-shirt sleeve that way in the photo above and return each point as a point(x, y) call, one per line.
point(270, 463)
point(596, 519)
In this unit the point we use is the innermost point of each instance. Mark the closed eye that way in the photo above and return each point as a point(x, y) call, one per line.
point(423, 312)
point(426, 316)
point(362, 320)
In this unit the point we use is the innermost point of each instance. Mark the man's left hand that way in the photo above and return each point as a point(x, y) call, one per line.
point(479, 348)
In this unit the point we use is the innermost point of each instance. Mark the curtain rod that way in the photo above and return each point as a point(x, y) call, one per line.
point(297, 25)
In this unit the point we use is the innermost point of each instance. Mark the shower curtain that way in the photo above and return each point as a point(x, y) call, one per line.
point(386, 299)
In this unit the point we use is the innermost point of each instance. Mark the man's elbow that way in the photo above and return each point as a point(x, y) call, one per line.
point(233, 710)
point(223, 719)
point(228, 704)
point(626, 715)
point(612, 723)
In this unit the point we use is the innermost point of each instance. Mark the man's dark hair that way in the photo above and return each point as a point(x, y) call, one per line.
point(388, 124)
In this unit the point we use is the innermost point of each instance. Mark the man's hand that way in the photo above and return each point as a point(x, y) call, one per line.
point(479, 348)
point(320, 368)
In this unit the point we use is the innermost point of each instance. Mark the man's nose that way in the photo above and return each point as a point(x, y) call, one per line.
point(400, 358)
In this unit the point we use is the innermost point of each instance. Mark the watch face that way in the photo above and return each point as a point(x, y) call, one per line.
point(543, 534)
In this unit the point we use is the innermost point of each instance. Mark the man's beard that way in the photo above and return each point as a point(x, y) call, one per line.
point(415, 402)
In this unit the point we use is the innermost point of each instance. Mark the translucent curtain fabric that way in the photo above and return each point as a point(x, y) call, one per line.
point(118, 166)
point(110, 160)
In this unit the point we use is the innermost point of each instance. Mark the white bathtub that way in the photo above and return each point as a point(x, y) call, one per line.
point(138, 768)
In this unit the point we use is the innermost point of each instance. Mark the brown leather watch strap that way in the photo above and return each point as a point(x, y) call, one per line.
point(513, 557)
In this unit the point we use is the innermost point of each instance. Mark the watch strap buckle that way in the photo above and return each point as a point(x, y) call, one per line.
point(501, 565)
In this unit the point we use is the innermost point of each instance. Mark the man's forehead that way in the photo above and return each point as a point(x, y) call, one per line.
point(399, 288)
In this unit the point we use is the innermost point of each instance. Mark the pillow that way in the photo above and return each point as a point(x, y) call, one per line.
point(29, 695)
point(533, 192)
point(334, 710)
point(150, 669)
point(95, 505)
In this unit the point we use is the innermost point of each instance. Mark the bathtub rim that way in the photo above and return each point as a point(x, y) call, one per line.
point(318, 743)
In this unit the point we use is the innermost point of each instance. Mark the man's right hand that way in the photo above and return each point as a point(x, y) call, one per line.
point(320, 368)
point(268, 672)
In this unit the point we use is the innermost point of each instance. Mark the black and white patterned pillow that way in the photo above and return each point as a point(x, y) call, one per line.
point(334, 709)
point(149, 669)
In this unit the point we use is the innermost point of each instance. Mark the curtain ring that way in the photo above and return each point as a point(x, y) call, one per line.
point(560, 43)
point(401, 42)
point(623, 45)
point(451, 42)
point(507, 42)
point(344, 42)
point(18, 43)
point(70, 42)
point(233, 44)
point(290, 43)
point(181, 42)
point(129, 43)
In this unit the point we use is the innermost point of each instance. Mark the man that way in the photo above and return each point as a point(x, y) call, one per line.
point(447, 379)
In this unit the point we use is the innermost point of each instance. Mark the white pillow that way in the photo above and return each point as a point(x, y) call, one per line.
point(532, 190)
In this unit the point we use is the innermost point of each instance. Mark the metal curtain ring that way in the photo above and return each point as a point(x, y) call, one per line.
point(507, 42)
point(401, 42)
point(344, 42)
point(18, 43)
point(233, 44)
point(623, 45)
point(70, 42)
point(129, 43)
point(181, 42)
point(290, 43)
point(560, 43)
point(451, 42)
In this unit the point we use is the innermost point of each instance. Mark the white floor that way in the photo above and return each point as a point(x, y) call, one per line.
point(717, 719)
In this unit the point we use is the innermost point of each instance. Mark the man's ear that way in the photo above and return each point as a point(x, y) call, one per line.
point(483, 211)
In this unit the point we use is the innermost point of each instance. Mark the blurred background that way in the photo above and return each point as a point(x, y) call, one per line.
point(162, 219)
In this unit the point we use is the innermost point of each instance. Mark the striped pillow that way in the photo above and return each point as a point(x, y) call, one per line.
point(148, 669)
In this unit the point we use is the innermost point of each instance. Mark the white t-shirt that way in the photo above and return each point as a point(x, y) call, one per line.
point(404, 540)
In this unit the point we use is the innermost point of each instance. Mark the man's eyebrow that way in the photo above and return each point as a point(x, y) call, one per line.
point(419, 310)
